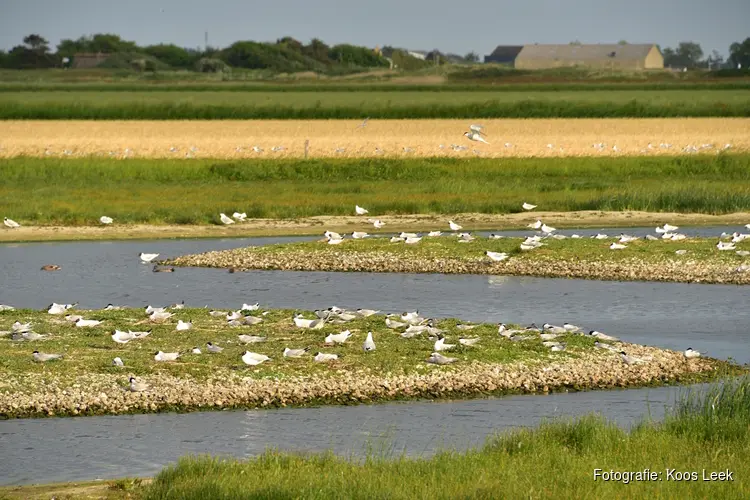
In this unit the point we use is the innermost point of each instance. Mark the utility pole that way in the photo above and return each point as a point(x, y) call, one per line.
point(205, 41)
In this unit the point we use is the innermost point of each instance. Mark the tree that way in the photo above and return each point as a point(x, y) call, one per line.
point(317, 50)
point(575, 42)
point(670, 57)
point(689, 54)
point(739, 54)
point(472, 57)
point(622, 42)
point(36, 43)
point(715, 60)
point(171, 54)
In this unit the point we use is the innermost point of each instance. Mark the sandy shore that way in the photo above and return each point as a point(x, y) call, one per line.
point(98, 394)
point(394, 223)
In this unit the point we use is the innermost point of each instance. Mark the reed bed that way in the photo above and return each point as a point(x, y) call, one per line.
point(77, 191)
point(231, 139)
point(210, 105)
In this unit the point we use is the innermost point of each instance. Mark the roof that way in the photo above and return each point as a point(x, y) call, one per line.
point(582, 52)
point(506, 51)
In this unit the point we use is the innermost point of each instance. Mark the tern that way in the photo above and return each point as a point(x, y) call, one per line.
point(469, 342)
point(112, 307)
point(31, 336)
point(225, 219)
point(691, 353)
point(412, 241)
point(253, 358)
point(408, 235)
point(158, 317)
point(360, 211)
point(136, 386)
point(552, 328)
point(358, 235)
point(367, 312)
point(547, 229)
point(240, 216)
point(87, 323)
point(333, 241)
point(252, 320)
point(466, 327)
point(250, 307)
point(41, 357)
point(122, 337)
point(601, 345)
point(454, 226)
point(73, 317)
point(55, 308)
point(181, 325)
point(217, 313)
point(396, 239)
point(528, 206)
point(117, 362)
point(147, 257)
point(496, 256)
point(479, 129)
point(536, 225)
point(322, 357)
point(494, 236)
point(338, 338)
point(295, 353)
point(195, 350)
point(625, 238)
point(166, 356)
point(11, 223)
point(440, 345)
point(725, 246)
point(251, 339)
point(105, 220)
point(213, 349)
point(150, 309)
point(438, 359)
point(369, 344)
point(475, 136)
point(393, 324)
point(629, 360)
point(434, 233)
point(617, 246)
point(571, 328)
point(332, 235)
point(234, 315)
point(378, 224)
point(603, 336)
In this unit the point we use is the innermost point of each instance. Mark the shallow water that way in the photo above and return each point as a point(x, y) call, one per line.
point(86, 448)
point(709, 318)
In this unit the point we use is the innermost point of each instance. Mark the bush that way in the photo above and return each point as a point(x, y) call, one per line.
point(133, 60)
point(211, 65)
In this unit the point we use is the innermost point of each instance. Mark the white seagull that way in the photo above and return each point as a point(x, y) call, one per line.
point(225, 219)
point(360, 211)
point(11, 223)
point(528, 206)
point(147, 257)
point(250, 307)
point(535, 225)
point(253, 358)
point(239, 216)
point(369, 344)
point(454, 226)
point(105, 220)
point(548, 229)
point(496, 256)
point(338, 338)
point(358, 235)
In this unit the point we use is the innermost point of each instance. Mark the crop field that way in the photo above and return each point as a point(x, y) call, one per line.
point(229, 139)
point(77, 191)
point(352, 104)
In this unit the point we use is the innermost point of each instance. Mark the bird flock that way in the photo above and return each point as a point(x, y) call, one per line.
point(407, 325)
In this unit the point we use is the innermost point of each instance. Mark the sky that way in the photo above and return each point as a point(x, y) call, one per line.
point(448, 25)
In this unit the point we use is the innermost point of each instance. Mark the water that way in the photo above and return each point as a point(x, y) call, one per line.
point(87, 448)
point(709, 318)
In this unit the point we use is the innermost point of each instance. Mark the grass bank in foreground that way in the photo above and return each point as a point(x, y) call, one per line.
point(85, 381)
point(588, 258)
point(47, 191)
point(209, 105)
point(705, 431)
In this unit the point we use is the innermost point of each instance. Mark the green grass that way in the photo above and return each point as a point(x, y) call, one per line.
point(555, 460)
point(91, 350)
point(193, 191)
point(208, 105)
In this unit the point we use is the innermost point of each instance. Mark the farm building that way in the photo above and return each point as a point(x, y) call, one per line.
point(504, 54)
point(88, 60)
point(610, 56)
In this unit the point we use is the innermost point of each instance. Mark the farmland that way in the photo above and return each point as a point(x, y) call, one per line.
point(231, 139)
point(353, 103)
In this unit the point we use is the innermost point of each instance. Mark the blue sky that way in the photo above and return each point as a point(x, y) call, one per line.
point(451, 26)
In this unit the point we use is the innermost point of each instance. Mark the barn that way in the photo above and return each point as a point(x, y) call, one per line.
point(628, 56)
point(503, 54)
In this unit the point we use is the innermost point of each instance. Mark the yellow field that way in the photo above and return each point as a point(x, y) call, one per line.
point(331, 138)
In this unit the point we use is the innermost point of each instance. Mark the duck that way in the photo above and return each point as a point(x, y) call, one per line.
point(158, 269)
point(50, 267)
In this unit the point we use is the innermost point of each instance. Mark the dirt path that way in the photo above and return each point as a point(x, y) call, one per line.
point(393, 223)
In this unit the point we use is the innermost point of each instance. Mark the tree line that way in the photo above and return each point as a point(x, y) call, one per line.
point(289, 55)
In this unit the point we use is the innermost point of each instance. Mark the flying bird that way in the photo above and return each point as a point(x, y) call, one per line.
point(475, 136)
